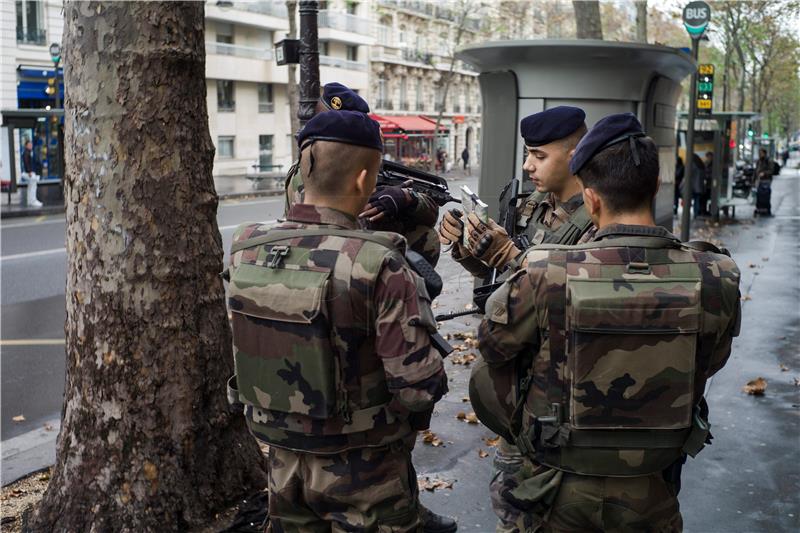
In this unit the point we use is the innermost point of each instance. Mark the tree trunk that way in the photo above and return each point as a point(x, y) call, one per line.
point(147, 441)
point(293, 90)
point(587, 19)
point(641, 21)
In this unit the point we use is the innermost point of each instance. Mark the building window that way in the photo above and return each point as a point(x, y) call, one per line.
point(324, 48)
point(352, 53)
point(352, 7)
point(403, 94)
point(420, 105)
point(438, 99)
point(265, 102)
point(225, 96)
point(323, 5)
point(30, 22)
point(225, 147)
point(224, 33)
point(264, 152)
point(383, 94)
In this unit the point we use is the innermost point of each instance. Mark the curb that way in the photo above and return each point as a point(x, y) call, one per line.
point(57, 210)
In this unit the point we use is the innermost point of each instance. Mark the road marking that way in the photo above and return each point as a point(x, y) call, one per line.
point(63, 250)
point(34, 224)
point(32, 342)
point(222, 228)
point(33, 254)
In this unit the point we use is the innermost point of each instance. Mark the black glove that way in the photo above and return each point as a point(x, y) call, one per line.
point(389, 201)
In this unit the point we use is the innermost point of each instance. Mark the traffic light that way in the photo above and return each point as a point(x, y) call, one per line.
point(750, 133)
point(765, 135)
point(51, 87)
point(705, 89)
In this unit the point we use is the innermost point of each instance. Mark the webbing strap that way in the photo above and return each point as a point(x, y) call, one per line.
point(286, 234)
point(571, 230)
point(557, 323)
point(619, 242)
point(647, 439)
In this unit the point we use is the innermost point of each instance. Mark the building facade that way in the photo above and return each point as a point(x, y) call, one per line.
point(396, 54)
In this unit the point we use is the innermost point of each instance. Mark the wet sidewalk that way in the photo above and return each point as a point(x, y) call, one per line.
point(749, 479)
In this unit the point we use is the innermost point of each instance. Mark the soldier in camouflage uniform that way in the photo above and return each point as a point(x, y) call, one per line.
point(552, 213)
point(333, 356)
point(618, 337)
point(411, 214)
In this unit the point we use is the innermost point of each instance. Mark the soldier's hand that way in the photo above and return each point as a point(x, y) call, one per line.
point(389, 201)
point(490, 242)
point(451, 229)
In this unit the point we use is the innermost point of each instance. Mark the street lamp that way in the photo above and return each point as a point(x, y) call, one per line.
point(55, 55)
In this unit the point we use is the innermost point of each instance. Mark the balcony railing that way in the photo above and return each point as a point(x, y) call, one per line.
point(420, 106)
point(31, 36)
point(438, 106)
point(337, 62)
point(418, 56)
point(384, 104)
point(344, 22)
point(270, 7)
point(250, 52)
point(404, 106)
point(266, 107)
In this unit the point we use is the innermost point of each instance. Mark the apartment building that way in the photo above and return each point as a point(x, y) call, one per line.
point(395, 53)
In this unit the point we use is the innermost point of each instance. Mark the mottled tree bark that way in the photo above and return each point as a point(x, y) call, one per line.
point(587, 19)
point(641, 21)
point(147, 442)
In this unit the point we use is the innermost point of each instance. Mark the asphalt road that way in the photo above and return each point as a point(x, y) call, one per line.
point(33, 269)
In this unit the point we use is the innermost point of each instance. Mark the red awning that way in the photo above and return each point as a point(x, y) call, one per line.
point(394, 126)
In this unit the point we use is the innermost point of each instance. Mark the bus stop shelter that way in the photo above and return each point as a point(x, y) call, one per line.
point(723, 134)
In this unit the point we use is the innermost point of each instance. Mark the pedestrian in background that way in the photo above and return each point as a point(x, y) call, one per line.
point(697, 184)
point(680, 170)
point(465, 157)
point(709, 164)
point(30, 172)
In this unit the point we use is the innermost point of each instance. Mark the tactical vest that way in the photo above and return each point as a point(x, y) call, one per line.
point(303, 333)
point(530, 223)
point(620, 373)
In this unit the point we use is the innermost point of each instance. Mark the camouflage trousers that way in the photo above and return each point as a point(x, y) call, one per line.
point(536, 498)
point(364, 489)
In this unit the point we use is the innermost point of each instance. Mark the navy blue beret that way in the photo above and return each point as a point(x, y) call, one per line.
point(349, 127)
point(337, 97)
point(551, 125)
point(608, 131)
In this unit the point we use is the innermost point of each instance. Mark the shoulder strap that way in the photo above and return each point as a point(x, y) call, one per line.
point(703, 246)
point(630, 241)
point(570, 231)
point(285, 234)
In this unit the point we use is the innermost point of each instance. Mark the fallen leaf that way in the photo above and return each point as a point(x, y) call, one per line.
point(465, 359)
point(492, 441)
point(429, 484)
point(465, 399)
point(752, 265)
point(48, 427)
point(797, 382)
point(19, 418)
point(784, 368)
point(746, 298)
point(468, 307)
point(461, 415)
point(765, 258)
point(463, 335)
point(482, 453)
point(472, 418)
point(429, 437)
point(756, 387)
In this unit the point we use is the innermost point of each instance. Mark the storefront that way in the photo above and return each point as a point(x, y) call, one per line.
point(36, 87)
point(410, 139)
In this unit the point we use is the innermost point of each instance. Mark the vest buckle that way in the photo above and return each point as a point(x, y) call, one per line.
point(276, 255)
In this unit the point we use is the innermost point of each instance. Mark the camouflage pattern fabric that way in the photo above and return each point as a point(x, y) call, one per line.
point(326, 357)
point(365, 489)
point(537, 217)
point(417, 226)
point(518, 322)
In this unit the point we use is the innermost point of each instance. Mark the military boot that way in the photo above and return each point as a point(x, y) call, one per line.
point(435, 523)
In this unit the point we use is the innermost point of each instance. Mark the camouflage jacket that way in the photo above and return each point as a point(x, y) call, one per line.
point(416, 226)
point(576, 315)
point(537, 217)
point(374, 313)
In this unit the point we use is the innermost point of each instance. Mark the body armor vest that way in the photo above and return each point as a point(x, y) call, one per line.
point(303, 333)
point(620, 372)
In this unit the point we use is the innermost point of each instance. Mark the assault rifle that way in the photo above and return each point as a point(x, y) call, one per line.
point(508, 210)
point(395, 174)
